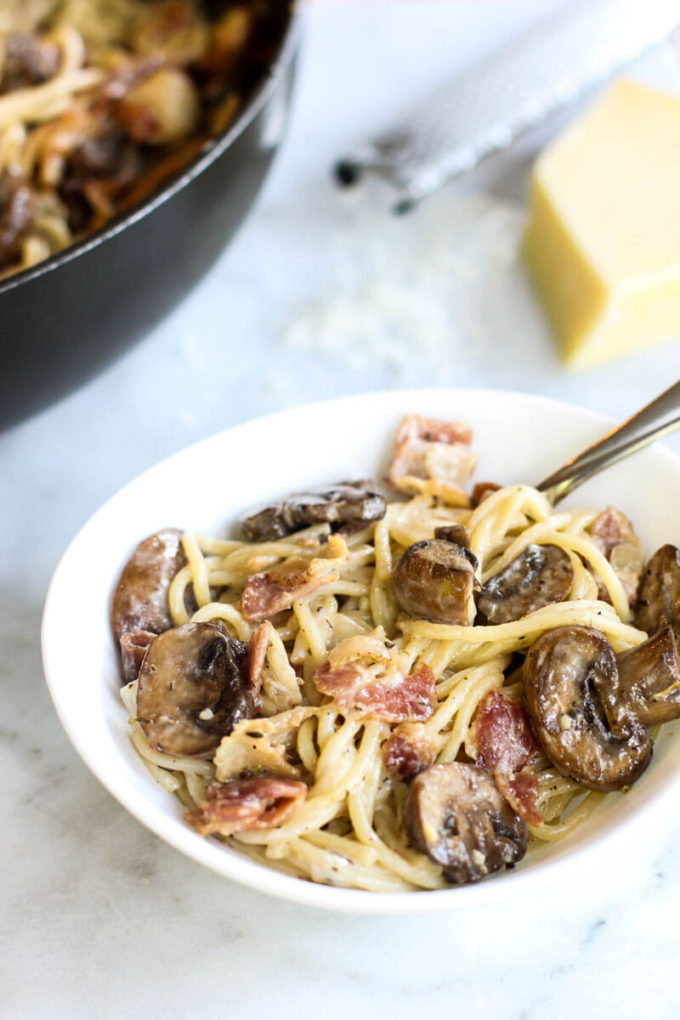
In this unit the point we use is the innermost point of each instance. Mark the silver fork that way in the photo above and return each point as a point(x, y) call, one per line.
point(657, 419)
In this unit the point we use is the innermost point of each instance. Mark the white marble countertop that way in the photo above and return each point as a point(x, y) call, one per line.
point(99, 917)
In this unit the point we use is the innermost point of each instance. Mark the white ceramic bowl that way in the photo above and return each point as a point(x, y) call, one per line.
point(208, 487)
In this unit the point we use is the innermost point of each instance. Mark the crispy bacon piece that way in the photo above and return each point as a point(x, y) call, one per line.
point(615, 537)
point(409, 750)
point(397, 699)
point(502, 734)
point(505, 743)
point(433, 456)
point(243, 805)
point(272, 591)
point(520, 789)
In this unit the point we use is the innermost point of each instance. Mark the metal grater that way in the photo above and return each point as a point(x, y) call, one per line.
point(484, 109)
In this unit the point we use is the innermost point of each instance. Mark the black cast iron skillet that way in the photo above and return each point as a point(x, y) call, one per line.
point(65, 319)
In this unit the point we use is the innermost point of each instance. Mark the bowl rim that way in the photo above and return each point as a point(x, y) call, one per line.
point(214, 148)
point(263, 879)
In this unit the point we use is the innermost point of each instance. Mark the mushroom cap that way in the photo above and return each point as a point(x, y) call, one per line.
point(649, 687)
point(435, 580)
point(456, 533)
point(456, 815)
point(192, 689)
point(140, 599)
point(347, 503)
point(658, 596)
point(565, 674)
point(539, 576)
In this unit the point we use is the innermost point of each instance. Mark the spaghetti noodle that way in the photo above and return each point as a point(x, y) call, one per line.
point(331, 666)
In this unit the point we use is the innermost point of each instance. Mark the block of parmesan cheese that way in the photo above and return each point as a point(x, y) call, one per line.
point(603, 239)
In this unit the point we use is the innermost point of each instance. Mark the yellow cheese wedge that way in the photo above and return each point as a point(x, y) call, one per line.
point(603, 239)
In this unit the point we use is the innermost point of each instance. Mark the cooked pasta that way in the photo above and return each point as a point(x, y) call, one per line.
point(329, 736)
point(102, 100)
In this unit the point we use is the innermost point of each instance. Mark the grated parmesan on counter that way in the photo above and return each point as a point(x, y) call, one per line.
point(425, 286)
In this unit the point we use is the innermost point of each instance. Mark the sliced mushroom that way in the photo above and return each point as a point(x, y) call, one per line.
point(348, 503)
point(567, 674)
point(649, 683)
point(456, 815)
point(140, 600)
point(28, 60)
point(192, 689)
point(435, 580)
point(455, 533)
point(658, 597)
point(539, 576)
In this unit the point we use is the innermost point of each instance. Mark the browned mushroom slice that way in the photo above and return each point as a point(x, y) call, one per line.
point(566, 674)
point(455, 533)
point(539, 576)
point(456, 815)
point(28, 59)
point(140, 599)
point(649, 683)
point(192, 689)
point(658, 597)
point(348, 503)
point(435, 580)
point(243, 805)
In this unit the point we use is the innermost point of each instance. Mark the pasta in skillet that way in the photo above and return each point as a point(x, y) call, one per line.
point(102, 101)
point(403, 694)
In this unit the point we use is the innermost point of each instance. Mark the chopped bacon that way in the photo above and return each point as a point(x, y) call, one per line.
point(272, 591)
point(395, 700)
point(409, 750)
point(133, 646)
point(433, 456)
point(505, 743)
point(502, 734)
point(243, 805)
point(257, 655)
point(416, 426)
point(615, 537)
point(520, 790)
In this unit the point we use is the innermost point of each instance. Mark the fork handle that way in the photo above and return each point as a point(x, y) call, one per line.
point(655, 420)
